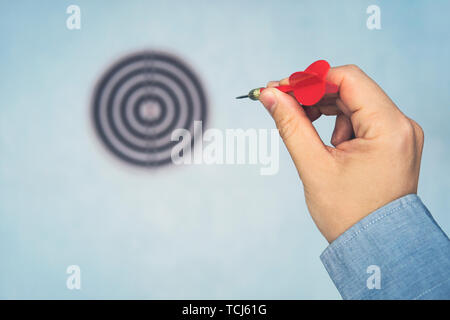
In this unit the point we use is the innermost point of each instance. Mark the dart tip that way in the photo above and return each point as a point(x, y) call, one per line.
point(242, 97)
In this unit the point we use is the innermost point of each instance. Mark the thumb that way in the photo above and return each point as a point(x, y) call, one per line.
point(298, 133)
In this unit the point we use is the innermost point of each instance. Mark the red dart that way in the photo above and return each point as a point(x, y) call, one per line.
point(308, 86)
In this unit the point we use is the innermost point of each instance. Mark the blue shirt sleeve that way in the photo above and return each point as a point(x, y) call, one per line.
point(396, 252)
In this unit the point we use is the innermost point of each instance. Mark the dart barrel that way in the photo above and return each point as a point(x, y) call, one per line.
point(254, 94)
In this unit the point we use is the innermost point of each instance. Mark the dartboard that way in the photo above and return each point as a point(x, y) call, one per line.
point(140, 100)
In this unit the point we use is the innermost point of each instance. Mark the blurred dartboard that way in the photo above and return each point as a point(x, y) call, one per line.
point(140, 100)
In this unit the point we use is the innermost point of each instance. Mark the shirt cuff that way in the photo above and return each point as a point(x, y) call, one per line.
point(396, 252)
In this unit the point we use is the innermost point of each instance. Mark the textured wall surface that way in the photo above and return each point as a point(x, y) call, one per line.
point(193, 231)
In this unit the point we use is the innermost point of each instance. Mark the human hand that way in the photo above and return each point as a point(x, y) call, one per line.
point(376, 158)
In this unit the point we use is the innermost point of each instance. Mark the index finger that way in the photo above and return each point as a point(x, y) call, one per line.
point(363, 101)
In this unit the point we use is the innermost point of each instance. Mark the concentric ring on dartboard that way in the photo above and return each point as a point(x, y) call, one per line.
point(145, 115)
point(140, 100)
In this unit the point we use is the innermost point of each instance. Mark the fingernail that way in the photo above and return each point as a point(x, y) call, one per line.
point(268, 99)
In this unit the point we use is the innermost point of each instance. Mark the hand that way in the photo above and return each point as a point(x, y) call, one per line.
point(376, 158)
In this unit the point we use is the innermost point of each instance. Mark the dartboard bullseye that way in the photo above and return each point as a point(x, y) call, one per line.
point(140, 100)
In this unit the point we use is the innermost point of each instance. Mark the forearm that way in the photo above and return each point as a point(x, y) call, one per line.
point(400, 240)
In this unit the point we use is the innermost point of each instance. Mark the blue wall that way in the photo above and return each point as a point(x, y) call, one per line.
point(197, 231)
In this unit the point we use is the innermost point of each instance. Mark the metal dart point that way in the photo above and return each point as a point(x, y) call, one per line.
point(253, 94)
